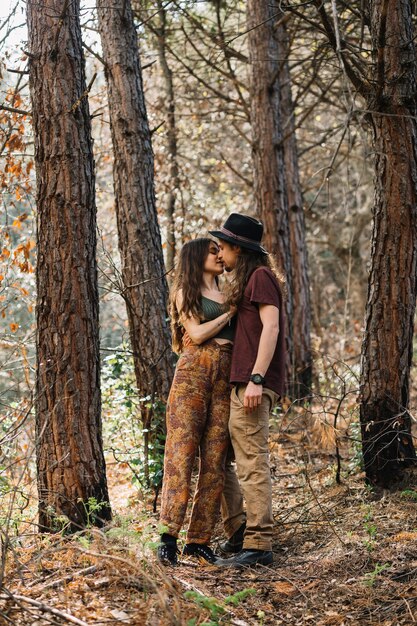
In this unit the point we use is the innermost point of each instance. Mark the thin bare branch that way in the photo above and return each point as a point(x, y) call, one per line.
point(3, 107)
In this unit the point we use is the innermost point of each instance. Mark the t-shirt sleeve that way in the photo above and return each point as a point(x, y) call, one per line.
point(264, 288)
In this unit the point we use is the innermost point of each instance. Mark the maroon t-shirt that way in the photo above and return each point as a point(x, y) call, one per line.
point(262, 288)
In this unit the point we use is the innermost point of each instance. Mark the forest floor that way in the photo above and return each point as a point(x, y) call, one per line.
point(343, 555)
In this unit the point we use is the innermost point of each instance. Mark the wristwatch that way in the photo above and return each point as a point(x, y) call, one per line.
point(258, 379)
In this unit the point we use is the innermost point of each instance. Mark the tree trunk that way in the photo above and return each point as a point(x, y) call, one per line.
point(301, 320)
point(143, 272)
point(70, 461)
point(387, 346)
point(171, 130)
point(267, 142)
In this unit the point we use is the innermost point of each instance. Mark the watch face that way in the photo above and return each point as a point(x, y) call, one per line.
point(257, 379)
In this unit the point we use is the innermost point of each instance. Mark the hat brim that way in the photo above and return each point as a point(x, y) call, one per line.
point(255, 247)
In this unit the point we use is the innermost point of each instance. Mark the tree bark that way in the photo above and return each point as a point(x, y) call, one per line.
point(301, 320)
point(267, 143)
point(387, 345)
point(70, 460)
point(143, 273)
point(171, 131)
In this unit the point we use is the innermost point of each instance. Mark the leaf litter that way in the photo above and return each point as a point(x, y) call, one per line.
point(342, 555)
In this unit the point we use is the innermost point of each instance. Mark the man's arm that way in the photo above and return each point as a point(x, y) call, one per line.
point(269, 315)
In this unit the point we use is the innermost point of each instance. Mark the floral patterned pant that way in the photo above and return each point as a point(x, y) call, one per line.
point(197, 419)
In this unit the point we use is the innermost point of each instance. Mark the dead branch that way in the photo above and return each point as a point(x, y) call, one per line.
point(13, 71)
point(3, 107)
point(358, 81)
point(198, 78)
point(238, 86)
point(153, 130)
point(95, 54)
point(69, 577)
point(231, 75)
point(44, 608)
point(231, 52)
point(144, 67)
point(313, 493)
point(236, 172)
point(83, 95)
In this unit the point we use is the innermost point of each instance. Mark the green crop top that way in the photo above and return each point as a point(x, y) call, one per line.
point(212, 309)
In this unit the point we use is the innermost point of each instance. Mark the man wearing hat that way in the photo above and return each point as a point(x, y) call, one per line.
point(257, 377)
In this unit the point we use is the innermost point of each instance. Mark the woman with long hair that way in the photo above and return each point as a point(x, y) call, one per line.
point(198, 404)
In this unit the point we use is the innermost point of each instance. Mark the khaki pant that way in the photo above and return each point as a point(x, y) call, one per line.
point(249, 433)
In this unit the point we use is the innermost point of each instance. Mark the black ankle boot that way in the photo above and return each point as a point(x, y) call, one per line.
point(167, 550)
point(235, 543)
point(247, 558)
point(201, 551)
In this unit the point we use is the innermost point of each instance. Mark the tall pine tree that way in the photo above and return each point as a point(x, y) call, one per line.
point(70, 461)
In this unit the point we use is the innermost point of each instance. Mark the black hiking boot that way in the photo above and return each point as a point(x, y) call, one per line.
point(247, 558)
point(167, 550)
point(235, 543)
point(200, 550)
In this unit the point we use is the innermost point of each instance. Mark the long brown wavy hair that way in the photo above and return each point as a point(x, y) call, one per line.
point(188, 278)
point(247, 262)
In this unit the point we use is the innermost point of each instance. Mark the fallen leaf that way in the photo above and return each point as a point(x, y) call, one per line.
point(120, 615)
point(285, 588)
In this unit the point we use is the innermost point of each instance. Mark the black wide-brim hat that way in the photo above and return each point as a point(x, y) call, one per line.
point(243, 231)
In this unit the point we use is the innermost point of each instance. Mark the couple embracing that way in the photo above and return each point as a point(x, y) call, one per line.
point(229, 375)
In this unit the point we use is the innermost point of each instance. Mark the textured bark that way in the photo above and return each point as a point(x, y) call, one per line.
point(387, 346)
point(267, 142)
point(140, 246)
point(301, 320)
point(70, 460)
point(171, 131)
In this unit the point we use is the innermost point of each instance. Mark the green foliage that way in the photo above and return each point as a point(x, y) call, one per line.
point(368, 516)
point(84, 540)
point(61, 524)
point(149, 463)
point(120, 397)
point(132, 531)
point(123, 531)
point(92, 507)
point(370, 578)
point(215, 607)
point(409, 494)
point(236, 598)
point(212, 605)
point(13, 514)
point(370, 529)
point(140, 447)
point(4, 482)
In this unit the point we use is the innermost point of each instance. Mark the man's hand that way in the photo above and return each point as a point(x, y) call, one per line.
point(253, 396)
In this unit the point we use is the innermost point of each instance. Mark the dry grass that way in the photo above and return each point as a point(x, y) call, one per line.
point(342, 555)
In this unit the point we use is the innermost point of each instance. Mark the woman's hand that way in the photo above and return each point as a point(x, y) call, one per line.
point(198, 332)
point(186, 340)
